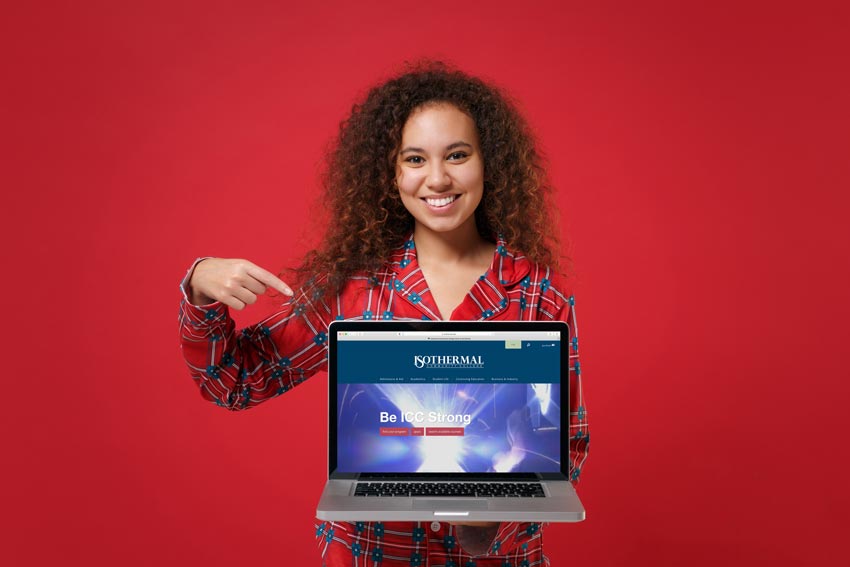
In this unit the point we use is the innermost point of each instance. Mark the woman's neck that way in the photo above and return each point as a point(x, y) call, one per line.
point(462, 246)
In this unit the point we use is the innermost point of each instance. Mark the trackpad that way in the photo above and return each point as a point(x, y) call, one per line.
point(449, 505)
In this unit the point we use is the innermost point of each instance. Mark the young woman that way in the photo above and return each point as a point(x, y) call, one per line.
point(440, 210)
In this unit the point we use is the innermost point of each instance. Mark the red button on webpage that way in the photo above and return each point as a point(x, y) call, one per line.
point(444, 431)
point(417, 431)
point(395, 431)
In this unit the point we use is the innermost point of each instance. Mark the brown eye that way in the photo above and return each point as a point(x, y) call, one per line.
point(411, 158)
point(457, 155)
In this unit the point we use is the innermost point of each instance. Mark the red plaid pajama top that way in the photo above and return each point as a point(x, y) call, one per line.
point(240, 369)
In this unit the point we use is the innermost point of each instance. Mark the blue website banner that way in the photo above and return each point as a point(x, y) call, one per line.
point(416, 428)
point(452, 362)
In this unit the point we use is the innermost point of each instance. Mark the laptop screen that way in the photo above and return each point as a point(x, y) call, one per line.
point(444, 398)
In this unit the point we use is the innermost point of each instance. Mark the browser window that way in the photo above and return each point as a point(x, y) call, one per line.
point(474, 401)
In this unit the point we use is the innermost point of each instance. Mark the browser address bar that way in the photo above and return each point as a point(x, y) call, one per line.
point(447, 334)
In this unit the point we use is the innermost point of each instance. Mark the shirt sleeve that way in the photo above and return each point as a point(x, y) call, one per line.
point(579, 436)
point(238, 369)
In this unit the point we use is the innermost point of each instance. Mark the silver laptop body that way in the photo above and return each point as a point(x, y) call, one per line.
point(451, 421)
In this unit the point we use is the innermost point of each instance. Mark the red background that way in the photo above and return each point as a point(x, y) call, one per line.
point(701, 156)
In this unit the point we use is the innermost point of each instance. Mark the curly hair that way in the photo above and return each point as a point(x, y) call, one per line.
point(359, 193)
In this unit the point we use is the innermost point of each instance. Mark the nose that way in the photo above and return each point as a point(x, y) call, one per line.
point(438, 177)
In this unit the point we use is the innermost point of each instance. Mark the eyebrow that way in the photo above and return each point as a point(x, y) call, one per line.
point(449, 147)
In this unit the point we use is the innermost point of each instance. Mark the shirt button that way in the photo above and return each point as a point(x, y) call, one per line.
point(435, 526)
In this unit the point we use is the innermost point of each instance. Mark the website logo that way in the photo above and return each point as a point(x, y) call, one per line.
point(448, 361)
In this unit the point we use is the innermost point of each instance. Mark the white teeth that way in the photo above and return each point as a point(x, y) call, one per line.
point(440, 202)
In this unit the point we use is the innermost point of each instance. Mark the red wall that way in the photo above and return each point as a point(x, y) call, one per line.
point(702, 159)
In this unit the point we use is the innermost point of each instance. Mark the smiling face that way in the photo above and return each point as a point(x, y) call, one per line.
point(439, 170)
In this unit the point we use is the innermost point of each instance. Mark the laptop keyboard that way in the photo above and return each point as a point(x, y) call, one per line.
point(460, 489)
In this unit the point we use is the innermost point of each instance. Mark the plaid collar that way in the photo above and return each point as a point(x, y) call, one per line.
point(488, 295)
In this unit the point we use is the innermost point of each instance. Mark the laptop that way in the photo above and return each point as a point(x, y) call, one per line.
point(447, 420)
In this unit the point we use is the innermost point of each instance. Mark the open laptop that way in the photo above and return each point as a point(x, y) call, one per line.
point(445, 420)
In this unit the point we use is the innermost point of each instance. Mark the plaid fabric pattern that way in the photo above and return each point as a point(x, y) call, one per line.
point(238, 369)
point(418, 544)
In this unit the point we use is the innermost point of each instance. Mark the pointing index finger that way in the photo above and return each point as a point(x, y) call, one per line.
point(269, 279)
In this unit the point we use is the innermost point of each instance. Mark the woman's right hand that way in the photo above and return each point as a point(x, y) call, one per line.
point(234, 282)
